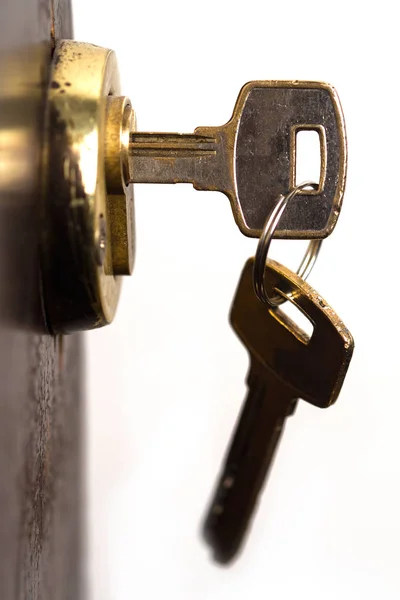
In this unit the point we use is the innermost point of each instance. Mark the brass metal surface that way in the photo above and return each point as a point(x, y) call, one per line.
point(88, 238)
point(120, 121)
point(252, 159)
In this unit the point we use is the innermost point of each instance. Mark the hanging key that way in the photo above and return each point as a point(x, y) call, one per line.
point(285, 365)
point(252, 159)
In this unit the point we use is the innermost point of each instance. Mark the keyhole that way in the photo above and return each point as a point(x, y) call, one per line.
point(293, 316)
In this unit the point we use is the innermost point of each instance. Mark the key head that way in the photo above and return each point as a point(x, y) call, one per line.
point(265, 122)
point(313, 367)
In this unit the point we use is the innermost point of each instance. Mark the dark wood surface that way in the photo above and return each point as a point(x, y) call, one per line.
point(40, 375)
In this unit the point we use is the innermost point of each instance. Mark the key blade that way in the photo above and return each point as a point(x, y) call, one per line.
point(252, 158)
point(314, 368)
point(266, 119)
point(247, 463)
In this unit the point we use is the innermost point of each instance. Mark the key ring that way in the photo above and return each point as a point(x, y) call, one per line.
point(264, 243)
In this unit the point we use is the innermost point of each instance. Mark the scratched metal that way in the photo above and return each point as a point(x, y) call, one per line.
point(265, 159)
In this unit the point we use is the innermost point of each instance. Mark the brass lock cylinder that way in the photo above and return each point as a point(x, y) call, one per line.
point(88, 209)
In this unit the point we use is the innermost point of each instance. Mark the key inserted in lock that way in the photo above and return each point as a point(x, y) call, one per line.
point(252, 159)
point(93, 155)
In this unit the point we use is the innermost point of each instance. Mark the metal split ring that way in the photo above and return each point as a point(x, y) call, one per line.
point(264, 243)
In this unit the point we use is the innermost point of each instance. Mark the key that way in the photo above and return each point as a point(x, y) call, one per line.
point(252, 159)
point(285, 365)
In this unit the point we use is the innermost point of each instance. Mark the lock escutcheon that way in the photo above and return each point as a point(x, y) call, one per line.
point(87, 210)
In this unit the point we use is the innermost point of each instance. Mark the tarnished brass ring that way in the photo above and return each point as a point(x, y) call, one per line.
point(264, 243)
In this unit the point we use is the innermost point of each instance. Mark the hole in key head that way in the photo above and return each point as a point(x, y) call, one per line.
point(308, 156)
point(295, 320)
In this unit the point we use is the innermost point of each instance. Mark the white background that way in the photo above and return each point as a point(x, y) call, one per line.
point(166, 380)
